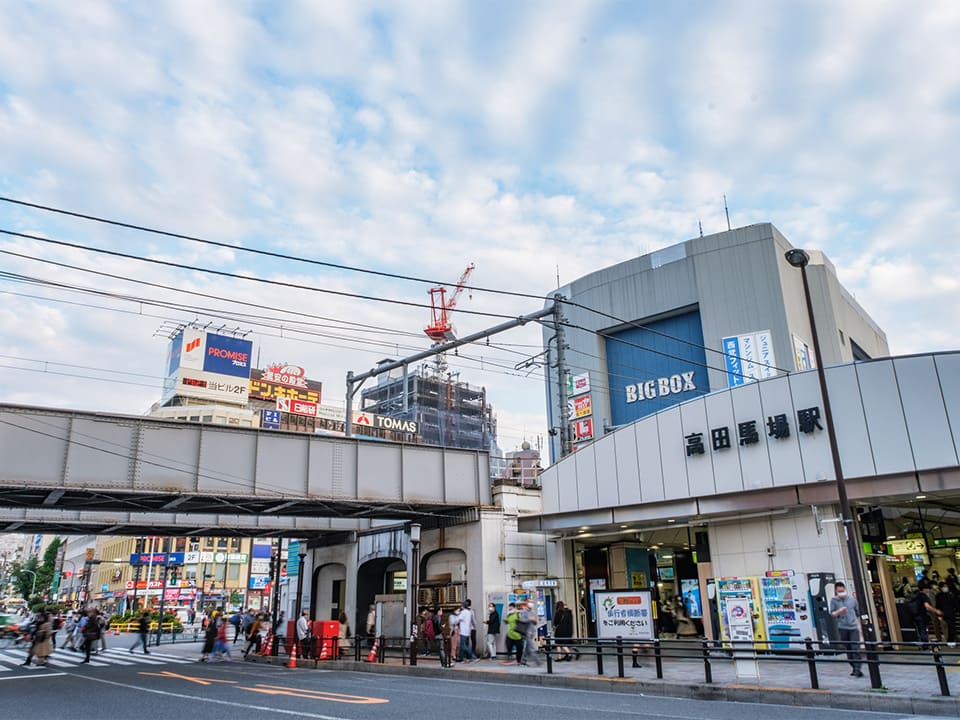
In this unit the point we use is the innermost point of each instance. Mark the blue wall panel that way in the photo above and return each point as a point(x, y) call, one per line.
point(644, 378)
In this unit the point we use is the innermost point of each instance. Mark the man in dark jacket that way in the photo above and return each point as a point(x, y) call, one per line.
point(91, 633)
point(143, 630)
point(493, 630)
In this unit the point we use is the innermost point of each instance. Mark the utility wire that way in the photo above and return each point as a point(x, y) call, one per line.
point(222, 273)
point(369, 271)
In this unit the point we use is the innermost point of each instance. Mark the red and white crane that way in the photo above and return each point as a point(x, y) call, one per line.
point(440, 328)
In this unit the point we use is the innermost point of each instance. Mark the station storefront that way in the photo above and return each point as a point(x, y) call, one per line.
point(639, 508)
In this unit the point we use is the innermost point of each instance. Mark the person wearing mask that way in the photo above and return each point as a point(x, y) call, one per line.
point(514, 636)
point(844, 609)
point(440, 636)
point(493, 630)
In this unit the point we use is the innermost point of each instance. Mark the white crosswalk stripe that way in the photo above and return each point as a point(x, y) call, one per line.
point(13, 659)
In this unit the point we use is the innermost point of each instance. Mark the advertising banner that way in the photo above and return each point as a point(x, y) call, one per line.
point(624, 613)
point(212, 386)
point(270, 420)
point(583, 429)
point(282, 380)
point(578, 384)
point(296, 407)
point(802, 355)
point(749, 357)
point(227, 356)
point(690, 592)
point(580, 407)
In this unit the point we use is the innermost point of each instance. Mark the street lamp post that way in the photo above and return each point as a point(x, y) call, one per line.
point(300, 584)
point(800, 259)
point(33, 587)
point(414, 582)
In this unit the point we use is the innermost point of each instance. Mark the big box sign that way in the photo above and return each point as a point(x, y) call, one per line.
point(624, 613)
point(227, 356)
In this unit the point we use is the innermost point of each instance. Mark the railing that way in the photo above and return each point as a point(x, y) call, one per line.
point(873, 656)
point(813, 655)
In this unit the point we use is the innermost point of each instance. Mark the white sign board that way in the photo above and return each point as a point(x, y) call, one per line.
point(740, 620)
point(624, 613)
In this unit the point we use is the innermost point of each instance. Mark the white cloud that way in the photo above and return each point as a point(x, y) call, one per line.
point(418, 138)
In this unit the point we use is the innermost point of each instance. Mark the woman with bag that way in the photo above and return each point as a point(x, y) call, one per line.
point(44, 647)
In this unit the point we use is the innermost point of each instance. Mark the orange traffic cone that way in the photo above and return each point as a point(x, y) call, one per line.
point(293, 656)
point(372, 657)
point(268, 646)
point(324, 649)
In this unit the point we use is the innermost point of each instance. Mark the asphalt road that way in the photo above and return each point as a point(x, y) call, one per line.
point(172, 686)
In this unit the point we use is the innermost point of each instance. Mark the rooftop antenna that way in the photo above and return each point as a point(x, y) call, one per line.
point(558, 274)
point(726, 210)
point(700, 223)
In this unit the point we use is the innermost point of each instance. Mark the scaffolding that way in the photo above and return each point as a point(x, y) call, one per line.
point(450, 413)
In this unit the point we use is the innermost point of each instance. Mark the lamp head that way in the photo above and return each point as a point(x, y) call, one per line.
point(797, 258)
point(415, 532)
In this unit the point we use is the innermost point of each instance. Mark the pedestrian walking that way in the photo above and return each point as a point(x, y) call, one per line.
point(493, 630)
point(143, 631)
point(514, 635)
point(563, 632)
point(844, 609)
point(91, 633)
point(221, 648)
point(209, 638)
point(280, 633)
point(253, 635)
point(34, 629)
point(43, 647)
point(528, 621)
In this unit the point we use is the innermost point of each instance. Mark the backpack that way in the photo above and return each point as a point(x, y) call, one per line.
point(429, 629)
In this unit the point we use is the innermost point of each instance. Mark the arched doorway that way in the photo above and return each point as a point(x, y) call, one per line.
point(376, 577)
point(443, 578)
point(329, 596)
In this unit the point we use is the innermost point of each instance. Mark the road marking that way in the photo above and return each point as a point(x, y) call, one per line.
point(315, 694)
point(201, 698)
point(28, 677)
point(188, 678)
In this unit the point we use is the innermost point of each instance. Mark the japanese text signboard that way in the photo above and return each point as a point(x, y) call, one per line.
point(624, 613)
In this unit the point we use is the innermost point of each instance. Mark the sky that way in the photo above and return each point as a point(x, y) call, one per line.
point(538, 140)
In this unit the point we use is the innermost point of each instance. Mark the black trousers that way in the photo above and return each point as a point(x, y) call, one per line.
point(850, 639)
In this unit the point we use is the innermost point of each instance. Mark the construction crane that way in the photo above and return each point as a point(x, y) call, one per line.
point(440, 328)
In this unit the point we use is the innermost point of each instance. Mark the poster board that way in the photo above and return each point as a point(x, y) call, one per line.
point(624, 613)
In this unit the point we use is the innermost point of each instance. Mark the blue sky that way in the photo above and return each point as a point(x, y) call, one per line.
point(418, 137)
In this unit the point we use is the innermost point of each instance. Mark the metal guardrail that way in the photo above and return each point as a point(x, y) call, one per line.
point(873, 656)
point(814, 655)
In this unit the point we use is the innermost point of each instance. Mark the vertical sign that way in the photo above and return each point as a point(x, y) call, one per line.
point(749, 357)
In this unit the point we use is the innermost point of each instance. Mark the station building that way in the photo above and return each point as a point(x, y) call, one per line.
point(699, 466)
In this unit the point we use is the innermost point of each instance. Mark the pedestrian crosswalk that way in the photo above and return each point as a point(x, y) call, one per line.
point(12, 658)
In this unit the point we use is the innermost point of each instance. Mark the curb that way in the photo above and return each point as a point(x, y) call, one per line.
point(796, 697)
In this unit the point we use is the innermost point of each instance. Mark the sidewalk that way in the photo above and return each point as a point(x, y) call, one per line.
point(907, 690)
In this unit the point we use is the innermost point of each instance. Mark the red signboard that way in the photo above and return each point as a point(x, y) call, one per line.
point(297, 407)
point(583, 429)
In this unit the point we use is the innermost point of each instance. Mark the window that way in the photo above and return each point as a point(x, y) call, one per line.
point(859, 354)
point(194, 418)
point(235, 544)
point(843, 340)
point(221, 543)
point(208, 418)
point(233, 572)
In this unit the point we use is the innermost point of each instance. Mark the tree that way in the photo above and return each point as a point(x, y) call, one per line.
point(23, 577)
point(48, 567)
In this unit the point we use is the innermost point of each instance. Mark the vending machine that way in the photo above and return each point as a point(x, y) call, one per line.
point(740, 587)
point(785, 608)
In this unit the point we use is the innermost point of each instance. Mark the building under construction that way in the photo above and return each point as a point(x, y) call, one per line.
point(450, 413)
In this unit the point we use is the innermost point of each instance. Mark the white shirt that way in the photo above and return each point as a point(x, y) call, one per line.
point(303, 627)
point(465, 621)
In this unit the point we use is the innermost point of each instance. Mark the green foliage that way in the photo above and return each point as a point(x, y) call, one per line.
point(133, 616)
